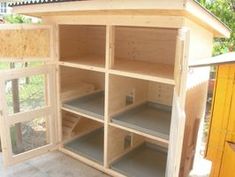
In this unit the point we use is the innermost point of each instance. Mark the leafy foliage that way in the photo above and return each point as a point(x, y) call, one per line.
point(16, 19)
point(31, 95)
point(225, 11)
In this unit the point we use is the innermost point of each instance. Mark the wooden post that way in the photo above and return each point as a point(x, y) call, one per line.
point(27, 78)
point(16, 109)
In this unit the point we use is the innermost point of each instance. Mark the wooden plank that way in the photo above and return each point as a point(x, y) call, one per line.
point(121, 20)
point(227, 167)
point(101, 5)
point(178, 119)
point(219, 117)
point(189, 9)
point(155, 78)
point(82, 114)
point(194, 87)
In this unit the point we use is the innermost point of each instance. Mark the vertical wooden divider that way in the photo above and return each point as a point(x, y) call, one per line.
point(109, 59)
point(58, 81)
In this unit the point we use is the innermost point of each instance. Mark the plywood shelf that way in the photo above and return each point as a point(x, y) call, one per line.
point(146, 70)
point(89, 105)
point(150, 118)
point(146, 160)
point(76, 90)
point(90, 145)
point(92, 63)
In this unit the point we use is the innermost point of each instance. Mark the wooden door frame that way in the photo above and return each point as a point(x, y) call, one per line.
point(48, 111)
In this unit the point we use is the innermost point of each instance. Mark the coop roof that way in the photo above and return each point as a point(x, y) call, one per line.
point(228, 58)
point(188, 8)
point(31, 2)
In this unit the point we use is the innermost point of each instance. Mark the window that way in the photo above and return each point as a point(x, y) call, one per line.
point(3, 7)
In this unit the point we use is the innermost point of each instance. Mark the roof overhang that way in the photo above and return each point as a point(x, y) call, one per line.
point(187, 8)
point(228, 58)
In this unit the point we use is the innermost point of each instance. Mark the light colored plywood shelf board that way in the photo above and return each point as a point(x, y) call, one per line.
point(88, 62)
point(149, 118)
point(151, 157)
point(90, 146)
point(92, 104)
point(161, 140)
point(76, 90)
point(82, 114)
point(81, 66)
point(144, 70)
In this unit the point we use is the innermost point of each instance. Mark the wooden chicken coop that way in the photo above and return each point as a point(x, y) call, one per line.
point(118, 91)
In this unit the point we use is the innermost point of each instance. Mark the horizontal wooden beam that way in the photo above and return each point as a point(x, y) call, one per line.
point(99, 5)
point(184, 8)
point(121, 20)
point(218, 60)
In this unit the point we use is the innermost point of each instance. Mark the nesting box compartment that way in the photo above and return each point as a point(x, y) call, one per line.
point(133, 155)
point(141, 50)
point(141, 105)
point(83, 44)
point(91, 104)
point(90, 145)
point(146, 160)
point(148, 117)
point(84, 93)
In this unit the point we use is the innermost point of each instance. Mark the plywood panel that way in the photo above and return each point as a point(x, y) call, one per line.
point(25, 43)
point(117, 140)
point(196, 97)
point(77, 41)
point(160, 93)
point(199, 47)
point(121, 87)
point(201, 41)
point(145, 44)
point(72, 77)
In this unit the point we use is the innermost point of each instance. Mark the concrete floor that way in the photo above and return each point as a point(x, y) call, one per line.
point(53, 164)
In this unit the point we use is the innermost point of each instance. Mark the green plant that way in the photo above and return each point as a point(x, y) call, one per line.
point(16, 19)
point(225, 11)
